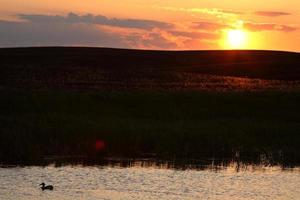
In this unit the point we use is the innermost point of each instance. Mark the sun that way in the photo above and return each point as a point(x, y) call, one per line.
point(236, 39)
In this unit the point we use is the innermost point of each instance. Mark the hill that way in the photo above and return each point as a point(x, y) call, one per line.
point(85, 68)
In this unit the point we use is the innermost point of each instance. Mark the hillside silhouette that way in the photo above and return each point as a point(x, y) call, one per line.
point(243, 63)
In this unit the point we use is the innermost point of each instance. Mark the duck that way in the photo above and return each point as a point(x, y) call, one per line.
point(46, 187)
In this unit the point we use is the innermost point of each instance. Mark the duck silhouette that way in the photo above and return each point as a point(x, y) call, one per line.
point(46, 187)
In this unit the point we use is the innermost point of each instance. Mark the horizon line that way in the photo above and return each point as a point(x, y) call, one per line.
point(140, 49)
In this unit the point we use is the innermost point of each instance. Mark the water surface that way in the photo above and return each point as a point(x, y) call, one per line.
point(78, 182)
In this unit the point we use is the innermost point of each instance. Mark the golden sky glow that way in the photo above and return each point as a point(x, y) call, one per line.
point(152, 24)
point(236, 39)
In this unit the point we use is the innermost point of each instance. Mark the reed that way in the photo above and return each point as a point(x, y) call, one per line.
point(245, 126)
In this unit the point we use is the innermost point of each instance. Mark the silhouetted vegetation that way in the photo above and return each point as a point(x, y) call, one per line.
point(249, 127)
point(90, 104)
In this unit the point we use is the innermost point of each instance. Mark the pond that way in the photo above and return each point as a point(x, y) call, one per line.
point(107, 182)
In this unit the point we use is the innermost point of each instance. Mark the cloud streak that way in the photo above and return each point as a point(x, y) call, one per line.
point(268, 27)
point(223, 12)
point(271, 13)
point(207, 11)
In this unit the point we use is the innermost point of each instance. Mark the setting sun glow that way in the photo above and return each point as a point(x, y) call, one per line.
point(152, 24)
point(236, 39)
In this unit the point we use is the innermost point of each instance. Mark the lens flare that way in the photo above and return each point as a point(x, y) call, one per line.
point(99, 145)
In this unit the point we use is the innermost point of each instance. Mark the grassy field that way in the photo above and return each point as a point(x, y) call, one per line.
point(121, 69)
point(247, 126)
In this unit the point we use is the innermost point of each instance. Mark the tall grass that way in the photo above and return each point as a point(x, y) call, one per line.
point(246, 126)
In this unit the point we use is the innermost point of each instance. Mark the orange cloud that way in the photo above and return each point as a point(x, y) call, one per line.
point(208, 11)
point(268, 27)
point(209, 26)
point(195, 35)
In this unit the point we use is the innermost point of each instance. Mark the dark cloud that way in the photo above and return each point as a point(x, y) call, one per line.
point(14, 34)
point(98, 30)
point(268, 27)
point(55, 34)
point(271, 13)
point(211, 26)
point(97, 19)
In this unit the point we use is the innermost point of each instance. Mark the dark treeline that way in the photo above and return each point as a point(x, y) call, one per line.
point(90, 126)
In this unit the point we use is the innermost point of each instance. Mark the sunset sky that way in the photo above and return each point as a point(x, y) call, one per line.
point(152, 24)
